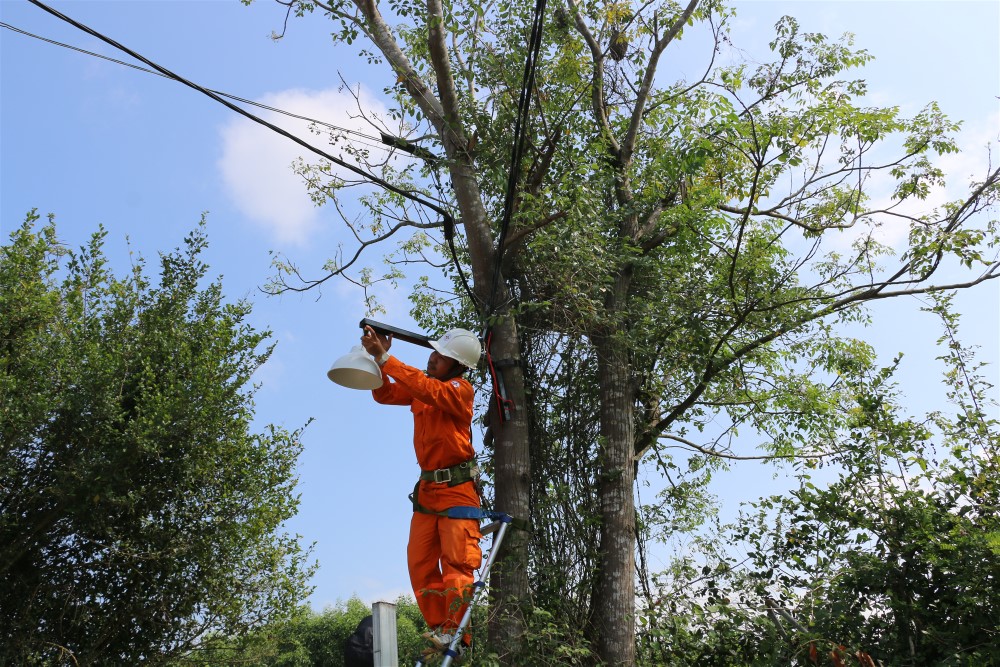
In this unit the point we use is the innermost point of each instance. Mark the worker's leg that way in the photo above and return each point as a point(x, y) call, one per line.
point(422, 555)
point(460, 556)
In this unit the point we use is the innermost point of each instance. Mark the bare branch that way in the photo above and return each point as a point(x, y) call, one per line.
point(380, 34)
point(734, 457)
point(746, 211)
point(363, 244)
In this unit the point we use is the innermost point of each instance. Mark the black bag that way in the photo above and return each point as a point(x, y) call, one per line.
point(359, 648)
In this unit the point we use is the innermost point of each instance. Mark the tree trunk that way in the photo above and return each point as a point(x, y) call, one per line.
point(511, 460)
point(512, 466)
point(512, 476)
point(614, 612)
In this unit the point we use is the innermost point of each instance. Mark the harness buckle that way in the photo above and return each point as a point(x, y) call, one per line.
point(442, 475)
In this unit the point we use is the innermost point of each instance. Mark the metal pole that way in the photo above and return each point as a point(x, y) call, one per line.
point(384, 631)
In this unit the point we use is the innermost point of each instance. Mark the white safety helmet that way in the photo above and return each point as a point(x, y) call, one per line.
point(460, 345)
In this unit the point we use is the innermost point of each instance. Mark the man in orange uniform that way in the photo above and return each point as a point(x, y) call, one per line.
point(442, 553)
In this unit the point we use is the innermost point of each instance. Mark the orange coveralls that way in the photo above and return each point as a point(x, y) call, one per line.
point(442, 554)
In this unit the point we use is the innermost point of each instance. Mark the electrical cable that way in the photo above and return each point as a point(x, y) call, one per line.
point(517, 152)
point(447, 221)
point(504, 405)
point(376, 141)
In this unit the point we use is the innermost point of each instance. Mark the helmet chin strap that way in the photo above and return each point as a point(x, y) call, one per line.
point(457, 371)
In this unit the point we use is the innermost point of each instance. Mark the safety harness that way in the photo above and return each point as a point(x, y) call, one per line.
point(467, 471)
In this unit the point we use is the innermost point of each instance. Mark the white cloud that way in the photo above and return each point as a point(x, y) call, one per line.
point(256, 163)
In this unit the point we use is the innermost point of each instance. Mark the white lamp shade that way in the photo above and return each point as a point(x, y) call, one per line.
point(356, 370)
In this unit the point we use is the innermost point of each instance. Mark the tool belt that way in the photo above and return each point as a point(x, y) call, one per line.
point(457, 474)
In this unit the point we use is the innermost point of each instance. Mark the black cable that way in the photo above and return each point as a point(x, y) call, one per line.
point(517, 151)
point(447, 221)
point(504, 405)
point(377, 141)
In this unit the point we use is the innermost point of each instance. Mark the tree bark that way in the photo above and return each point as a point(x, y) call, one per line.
point(512, 477)
point(614, 613)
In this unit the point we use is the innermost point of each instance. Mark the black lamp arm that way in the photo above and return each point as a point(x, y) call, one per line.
point(397, 333)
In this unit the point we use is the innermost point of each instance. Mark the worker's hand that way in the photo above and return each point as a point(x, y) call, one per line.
point(375, 344)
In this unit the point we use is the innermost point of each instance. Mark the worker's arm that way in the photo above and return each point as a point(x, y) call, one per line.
point(391, 393)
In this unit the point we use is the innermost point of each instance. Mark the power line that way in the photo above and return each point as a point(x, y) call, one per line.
point(448, 223)
point(377, 141)
point(517, 151)
point(503, 404)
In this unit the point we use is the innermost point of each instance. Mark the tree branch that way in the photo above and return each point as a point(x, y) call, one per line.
point(309, 284)
point(597, 101)
point(382, 36)
point(638, 111)
point(441, 63)
point(519, 234)
point(734, 457)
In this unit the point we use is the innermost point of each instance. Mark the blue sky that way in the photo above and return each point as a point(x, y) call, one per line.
point(94, 142)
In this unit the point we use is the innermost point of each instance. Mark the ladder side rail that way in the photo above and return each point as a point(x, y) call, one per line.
point(475, 590)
